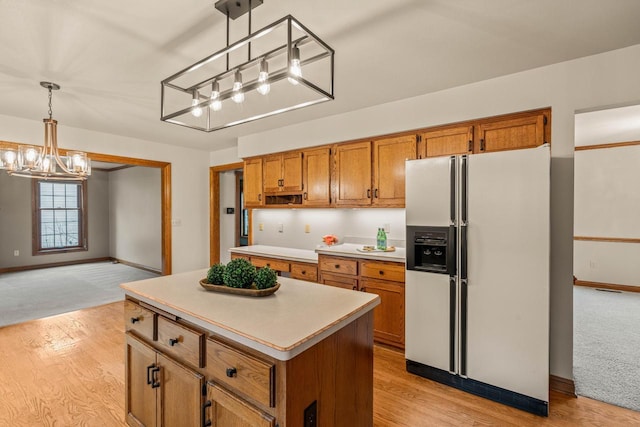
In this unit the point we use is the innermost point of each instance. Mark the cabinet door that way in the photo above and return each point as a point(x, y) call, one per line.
point(389, 156)
point(522, 132)
point(291, 172)
point(272, 173)
point(253, 183)
point(388, 317)
point(344, 282)
point(140, 397)
point(353, 173)
point(317, 177)
point(446, 142)
point(180, 394)
point(228, 410)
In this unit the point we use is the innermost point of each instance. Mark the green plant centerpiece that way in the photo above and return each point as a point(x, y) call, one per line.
point(215, 275)
point(239, 273)
point(265, 278)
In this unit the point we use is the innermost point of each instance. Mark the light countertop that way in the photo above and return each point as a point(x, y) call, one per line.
point(289, 254)
point(351, 250)
point(299, 315)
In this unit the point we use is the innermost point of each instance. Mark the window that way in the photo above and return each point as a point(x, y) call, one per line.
point(60, 219)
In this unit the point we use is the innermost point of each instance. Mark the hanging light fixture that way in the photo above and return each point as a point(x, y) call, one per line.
point(45, 162)
point(286, 67)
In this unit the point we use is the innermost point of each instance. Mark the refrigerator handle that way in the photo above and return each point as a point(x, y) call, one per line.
point(452, 324)
point(452, 188)
point(464, 187)
point(463, 252)
point(463, 328)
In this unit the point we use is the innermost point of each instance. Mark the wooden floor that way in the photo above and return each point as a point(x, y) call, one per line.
point(68, 370)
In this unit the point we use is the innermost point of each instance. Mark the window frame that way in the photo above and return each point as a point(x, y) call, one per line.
point(36, 220)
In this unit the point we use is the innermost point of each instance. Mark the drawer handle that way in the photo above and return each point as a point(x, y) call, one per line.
point(205, 422)
point(135, 319)
point(173, 341)
point(232, 372)
point(149, 372)
point(154, 380)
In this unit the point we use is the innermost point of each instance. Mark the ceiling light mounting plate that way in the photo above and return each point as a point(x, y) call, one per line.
point(50, 86)
point(236, 8)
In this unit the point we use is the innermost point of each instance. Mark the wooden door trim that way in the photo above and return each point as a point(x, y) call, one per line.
point(214, 208)
point(165, 195)
point(612, 145)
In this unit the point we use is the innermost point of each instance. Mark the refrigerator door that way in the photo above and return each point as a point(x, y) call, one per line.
point(428, 330)
point(428, 191)
point(507, 325)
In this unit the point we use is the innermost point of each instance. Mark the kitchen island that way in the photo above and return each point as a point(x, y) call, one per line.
point(305, 352)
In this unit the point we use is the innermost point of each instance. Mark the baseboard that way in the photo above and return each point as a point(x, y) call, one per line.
point(613, 286)
point(52, 264)
point(139, 266)
point(562, 385)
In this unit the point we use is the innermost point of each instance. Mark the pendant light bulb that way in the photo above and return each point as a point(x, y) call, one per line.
point(263, 78)
point(294, 68)
point(238, 94)
point(215, 104)
point(196, 111)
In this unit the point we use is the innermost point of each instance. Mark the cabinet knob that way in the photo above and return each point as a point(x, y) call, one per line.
point(173, 341)
point(363, 290)
point(355, 288)
point(135, 319)
point(337, 265)
point(382, 272)
point(303, 272)
point(232, 372)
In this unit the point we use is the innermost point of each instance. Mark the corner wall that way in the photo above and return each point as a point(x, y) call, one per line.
point(596, 81)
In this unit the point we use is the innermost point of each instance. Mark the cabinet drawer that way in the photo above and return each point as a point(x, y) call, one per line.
point(241, 372)
point(234, 256)
point(140, 320)
point(181, 342)
point(274, 264)
point(339, 265)
point(308, 272)
point(345, 282)
point(381, 270)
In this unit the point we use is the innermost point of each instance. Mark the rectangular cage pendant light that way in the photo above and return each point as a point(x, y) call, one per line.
point(279, 68)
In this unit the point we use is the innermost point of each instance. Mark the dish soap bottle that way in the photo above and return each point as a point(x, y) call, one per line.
point(381, 243)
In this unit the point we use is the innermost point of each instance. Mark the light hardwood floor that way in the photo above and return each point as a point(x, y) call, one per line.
point(68, 370)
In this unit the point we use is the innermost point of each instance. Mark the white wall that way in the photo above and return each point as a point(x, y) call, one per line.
point(606, 79)
point(189, 179)
point(16, 228)
point(227, 221)
point(360, 223)
point(135, 216)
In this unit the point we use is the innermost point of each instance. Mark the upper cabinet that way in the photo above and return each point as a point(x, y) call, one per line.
point(316, 177)
point(526, 131)
point(446, 142)
point(353, 174)
point(389, 157)
point(283, 172)
point(253, 183)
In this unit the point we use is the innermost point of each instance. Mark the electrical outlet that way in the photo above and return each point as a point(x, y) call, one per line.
point(307, 228)
point(176, 222)
point(280, 228)
point(261, 227)
point(16, 253)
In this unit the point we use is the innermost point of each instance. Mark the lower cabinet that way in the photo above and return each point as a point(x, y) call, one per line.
point(225, 409)
point(383, 278)
point(160, 391)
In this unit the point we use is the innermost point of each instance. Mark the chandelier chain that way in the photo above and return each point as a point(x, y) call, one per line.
point(50, 110)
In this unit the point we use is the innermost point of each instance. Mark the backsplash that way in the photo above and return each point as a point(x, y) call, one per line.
point(356, 225)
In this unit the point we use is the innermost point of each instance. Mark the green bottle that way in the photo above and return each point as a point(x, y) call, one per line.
point(381, 240)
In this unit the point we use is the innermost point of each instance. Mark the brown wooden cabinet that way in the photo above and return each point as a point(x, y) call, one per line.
point(159, 390)
point(253, 196)
point(226, 409)
point(389, 157)
point(283, 172)
point(294, 269)
point(316, 175)
point(383, 278)
point(353, 174)
point(527, 131)
point(446, 141)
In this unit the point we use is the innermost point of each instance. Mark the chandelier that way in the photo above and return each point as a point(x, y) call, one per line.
point(45, 162)
point(279, 68)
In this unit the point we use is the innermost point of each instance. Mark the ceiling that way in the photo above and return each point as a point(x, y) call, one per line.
point(110, 56)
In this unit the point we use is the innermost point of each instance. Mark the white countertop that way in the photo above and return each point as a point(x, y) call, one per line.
point(299, 315)
point(290, 254)
point(351, 250)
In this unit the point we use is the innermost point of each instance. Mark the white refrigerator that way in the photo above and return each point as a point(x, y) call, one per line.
point(479, 321)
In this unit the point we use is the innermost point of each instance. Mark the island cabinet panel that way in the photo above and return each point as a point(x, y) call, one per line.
point(353, 174)
point(140, 320)
point(244, 374)
point(316, 172)
point(159, 390)
point(252, 178)
point(226, 410)
point(389, 157)
point(181, 342)
point(447, 141)
point(521, 132)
